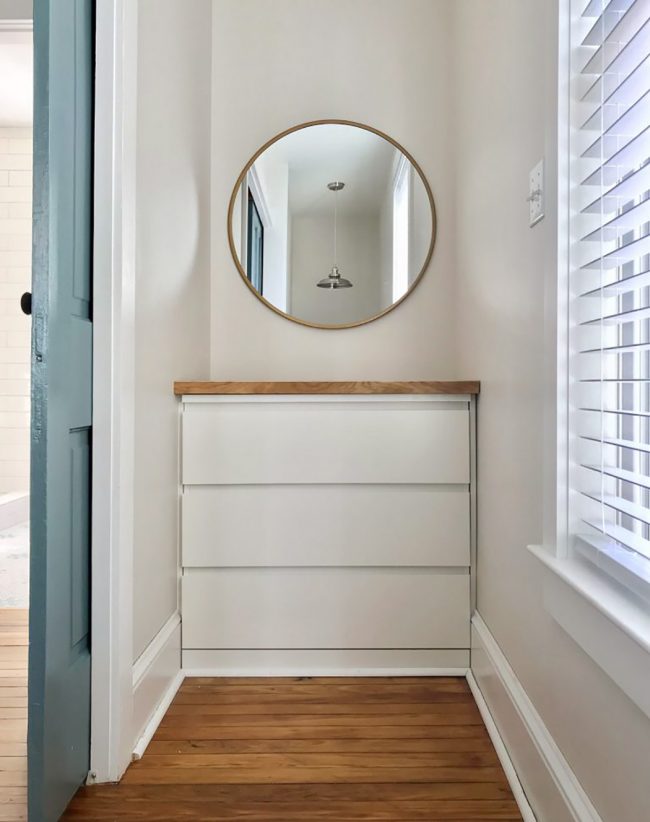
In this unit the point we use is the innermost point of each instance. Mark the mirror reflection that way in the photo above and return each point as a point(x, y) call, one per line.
point(332, 224)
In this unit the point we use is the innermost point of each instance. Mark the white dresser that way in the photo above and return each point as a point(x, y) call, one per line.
point(326, 527)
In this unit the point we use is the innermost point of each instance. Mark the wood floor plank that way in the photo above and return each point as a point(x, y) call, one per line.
point(272, 794)
point(203, 711)
point(283, 774)
point(319, 760)
point(293, 720)
point(215, 746)
point(13, 678)
point(284, 750)
point(13, 691)
point(14, 616)
point(281, 731)
point(13, 748)
point(339, 811)
point(13, 714)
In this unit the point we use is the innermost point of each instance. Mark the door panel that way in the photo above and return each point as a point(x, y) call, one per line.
point(59, 663)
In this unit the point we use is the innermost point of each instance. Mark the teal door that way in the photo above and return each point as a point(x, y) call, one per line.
point(59, 614)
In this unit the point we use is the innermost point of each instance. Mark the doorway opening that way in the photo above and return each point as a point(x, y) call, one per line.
point(16, 157)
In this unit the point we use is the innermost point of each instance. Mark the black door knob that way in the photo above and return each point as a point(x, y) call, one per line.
point(26, 303)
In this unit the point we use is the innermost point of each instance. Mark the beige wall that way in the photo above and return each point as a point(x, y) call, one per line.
point(15, 278)
point(505, 317)
point(16, 9)
point(312, 259)
point(280, 63)
point(172, 282)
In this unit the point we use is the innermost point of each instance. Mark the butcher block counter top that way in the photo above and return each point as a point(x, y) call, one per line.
point(412, 387)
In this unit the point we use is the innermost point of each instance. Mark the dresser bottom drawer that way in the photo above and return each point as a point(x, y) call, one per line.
point(335, 608)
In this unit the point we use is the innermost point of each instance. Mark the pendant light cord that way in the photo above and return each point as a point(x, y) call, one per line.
point(336, 196)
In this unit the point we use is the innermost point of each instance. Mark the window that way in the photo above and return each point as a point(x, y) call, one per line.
point(401, 198)
point(609, 288)
point(255, 242)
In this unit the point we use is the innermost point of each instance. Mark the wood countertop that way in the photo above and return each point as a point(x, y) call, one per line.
point(417, 387)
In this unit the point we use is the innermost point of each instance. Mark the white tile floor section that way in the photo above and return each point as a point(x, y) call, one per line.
point(14, 566)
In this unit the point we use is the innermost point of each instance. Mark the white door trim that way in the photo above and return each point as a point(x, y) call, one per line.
point(113, 389)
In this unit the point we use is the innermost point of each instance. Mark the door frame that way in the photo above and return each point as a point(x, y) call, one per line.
point(114, 256)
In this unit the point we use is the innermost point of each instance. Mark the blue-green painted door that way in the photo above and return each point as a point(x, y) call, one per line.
point(59, 654)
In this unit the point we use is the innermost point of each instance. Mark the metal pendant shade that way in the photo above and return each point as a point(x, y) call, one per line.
point(334, 279)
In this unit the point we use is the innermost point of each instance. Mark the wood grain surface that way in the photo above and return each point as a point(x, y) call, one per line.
point(417, 387)
point(13, 714)
point(309, 749)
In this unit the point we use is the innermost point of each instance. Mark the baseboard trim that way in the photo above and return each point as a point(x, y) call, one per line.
point(153, 650)
point(307, 672)
point(157, 677)
point(501, 751)
point(325, 662)
point(540, 767)
point(150, 728)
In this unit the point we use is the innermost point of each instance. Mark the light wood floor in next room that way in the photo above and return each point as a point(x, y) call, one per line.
point(13, 713)
point(312, 749)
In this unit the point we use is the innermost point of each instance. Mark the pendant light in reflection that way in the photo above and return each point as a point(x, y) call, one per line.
point(334, 279)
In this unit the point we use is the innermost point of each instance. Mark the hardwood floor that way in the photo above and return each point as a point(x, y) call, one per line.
point(13, 714)
point(311, 749)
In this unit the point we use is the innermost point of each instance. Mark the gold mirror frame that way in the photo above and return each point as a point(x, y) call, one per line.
point(247, 168)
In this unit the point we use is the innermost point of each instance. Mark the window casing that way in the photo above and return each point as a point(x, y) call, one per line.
point(609, 288)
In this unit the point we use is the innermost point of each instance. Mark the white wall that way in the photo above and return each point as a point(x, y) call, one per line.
point(172, 280)
point(505, 70)
point(16, 9)
point(380, 62)
point(312, 259)
point(15, 278)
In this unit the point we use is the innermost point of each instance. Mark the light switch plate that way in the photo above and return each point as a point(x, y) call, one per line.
point(536, 193)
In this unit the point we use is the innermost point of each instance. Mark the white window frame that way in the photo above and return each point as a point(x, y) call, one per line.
point(604, 609)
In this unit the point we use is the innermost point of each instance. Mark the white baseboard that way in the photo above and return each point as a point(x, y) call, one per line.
point(157, 677)
point(325, 663)
point(501, 750)
point(551, 788)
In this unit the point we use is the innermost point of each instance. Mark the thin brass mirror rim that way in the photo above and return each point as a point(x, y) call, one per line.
point(248, 166)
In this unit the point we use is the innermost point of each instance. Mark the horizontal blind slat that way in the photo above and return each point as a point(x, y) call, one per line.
point(617, 349)
point(619, 66)
point(631, 477)
point(595, 8)
point(629, 220)
point(622, 97)
point(625, 253)
point(630, 23)
point(619, 317)
point(622, 506)
point(621, 162)
point(624, 286)
point(620, 412)
point(629, 445)
point(628, 125)
point(627, 189)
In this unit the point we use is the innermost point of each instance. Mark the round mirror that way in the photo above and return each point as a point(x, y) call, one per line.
point(331, 224)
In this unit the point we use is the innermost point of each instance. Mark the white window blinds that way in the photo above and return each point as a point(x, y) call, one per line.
point(609, 287)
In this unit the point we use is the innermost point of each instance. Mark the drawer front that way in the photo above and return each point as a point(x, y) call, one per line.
point(325, 525)
point(292, 442)
point(325, 608)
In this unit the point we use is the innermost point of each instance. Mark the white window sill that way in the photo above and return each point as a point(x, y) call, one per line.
point(608, 622)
